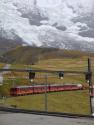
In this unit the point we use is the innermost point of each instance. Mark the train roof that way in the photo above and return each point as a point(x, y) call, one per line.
point(44, 85)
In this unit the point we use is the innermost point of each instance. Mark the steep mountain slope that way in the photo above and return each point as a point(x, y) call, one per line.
point(8, 44)
point(67, 24)
point(33, 54)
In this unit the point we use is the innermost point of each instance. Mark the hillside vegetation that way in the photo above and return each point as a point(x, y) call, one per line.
point(32, 55)
point(71, 101)
point(7, 45)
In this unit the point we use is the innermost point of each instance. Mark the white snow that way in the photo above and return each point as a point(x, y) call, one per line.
point(48, 3)
point(59, 12)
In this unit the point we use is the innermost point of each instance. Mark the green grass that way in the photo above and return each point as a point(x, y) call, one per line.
point(57, 64)
point(72, 102)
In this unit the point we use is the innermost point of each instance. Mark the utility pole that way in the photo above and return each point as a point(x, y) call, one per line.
point(46, 98)
point(90, 87)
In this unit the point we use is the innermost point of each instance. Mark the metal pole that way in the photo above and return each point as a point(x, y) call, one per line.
point(90, 84)
point(46, 106)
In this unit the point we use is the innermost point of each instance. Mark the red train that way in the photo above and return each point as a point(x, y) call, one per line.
point(37, 89)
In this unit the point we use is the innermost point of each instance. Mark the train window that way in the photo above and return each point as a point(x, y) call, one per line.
point(42, 88)
point(38, 88)
point(25, 89)
point(35, 88)
point(30, 88)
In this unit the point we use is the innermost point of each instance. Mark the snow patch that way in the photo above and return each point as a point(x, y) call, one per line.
point(48, 3)
point(58, 12)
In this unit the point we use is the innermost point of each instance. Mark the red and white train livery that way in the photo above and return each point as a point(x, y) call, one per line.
point(38, 89)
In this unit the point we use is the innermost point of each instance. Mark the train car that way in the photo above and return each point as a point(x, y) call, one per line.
point(65, 87)
point(21, 90)
point(38, 89)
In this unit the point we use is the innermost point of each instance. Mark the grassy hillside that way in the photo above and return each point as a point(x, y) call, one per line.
point(32, 55)
point(70, 102)
point(52, 59)
point(73, 102)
